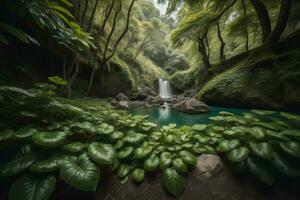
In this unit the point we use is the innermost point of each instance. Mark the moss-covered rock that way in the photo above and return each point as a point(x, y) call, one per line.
point(262, 81)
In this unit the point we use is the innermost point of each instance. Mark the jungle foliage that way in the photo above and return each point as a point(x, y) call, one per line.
point(44, 137)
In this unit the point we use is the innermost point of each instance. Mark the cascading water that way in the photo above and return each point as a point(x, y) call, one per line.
point(164, 89)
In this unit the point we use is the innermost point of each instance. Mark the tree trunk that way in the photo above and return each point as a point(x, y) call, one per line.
point(282, 20)
point(84, 12)
point(246, 25)
point(90, 82)
point(92, 16)
point(222, 45)
point(141, 47)
point(107, 15)
point(263, 17)
point(202, 50)
point(123, 33)
point(207, 45)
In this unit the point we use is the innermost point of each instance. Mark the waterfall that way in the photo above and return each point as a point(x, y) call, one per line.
point(164, 89)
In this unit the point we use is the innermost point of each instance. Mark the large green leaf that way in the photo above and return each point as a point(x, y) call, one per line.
point(151, 164)
point(257, 132)
point(173, 182)
point(263, 149)
point(188, 157)
point(179, 165)
point(199, 127)
point(134, 138)
point(51, 164)
point(165, 160)
point(285, 166)
point(238, 155)
point(228, 145)
point(138, 175)
point(125, 152)
point(18, 162)
point(25, 132)
point(102, 153)
point(32, 187)
point(74, 147)
point(291, 147)
point(142, 152)
point(49, 138)
point(123, 170)
point(82, 174)
point(105, 129)
point(6, 134)
point(261, 169)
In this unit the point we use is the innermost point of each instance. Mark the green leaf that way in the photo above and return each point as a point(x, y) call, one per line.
point(49, 138)
point(134, 138)
point(82, 174)
point(238, 155)
point(19, 161)
point(74, 147)
point(284, 166)
point(199, 127)
point(6, 134)
point(117, 135)
point(263, 150)
point(261, 169)
point(142, 152)
point(32, 187)
point(257, 132)
point(104, 129)
point(165, 160)
point(228, 145)
point(151, 164)
point(51, 164)
point(138, 175)
point(102, 153)
point(58, 80)
point(173, 182)
point(263, 112)
point(291, 147)
point(125, 152)
point(123, 170)
point(61, 10)
point(25, 132)
point(188, 157)
point(290, 116)
point(179, 165)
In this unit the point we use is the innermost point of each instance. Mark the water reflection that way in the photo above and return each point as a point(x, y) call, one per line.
point(164, 112)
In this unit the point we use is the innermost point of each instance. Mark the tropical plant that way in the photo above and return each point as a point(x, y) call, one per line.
point(54, 137)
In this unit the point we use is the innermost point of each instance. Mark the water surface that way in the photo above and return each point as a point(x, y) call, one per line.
point(166, 116)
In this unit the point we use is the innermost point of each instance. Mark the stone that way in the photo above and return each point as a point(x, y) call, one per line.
point(209, 165)
point(122, 97)
point(191, 105)
point(136, 104)
point(123, 104)
point(157, 101)
point(149, 99)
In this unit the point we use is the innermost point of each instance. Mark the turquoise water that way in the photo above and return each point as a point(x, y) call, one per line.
point(168, 115)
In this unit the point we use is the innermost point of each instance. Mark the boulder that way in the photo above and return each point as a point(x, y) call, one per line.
point(149, 99)
point(211, 179)
point(123, 105)
point(157, 101)
point(141, 94)
point(136, 104)
point(191, 105)
point(122, 97)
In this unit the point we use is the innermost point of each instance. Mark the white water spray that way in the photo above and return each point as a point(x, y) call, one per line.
point(164, 89)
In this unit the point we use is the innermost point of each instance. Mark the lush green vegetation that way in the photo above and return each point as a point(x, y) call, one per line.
point(71, 138)
point(58, 54)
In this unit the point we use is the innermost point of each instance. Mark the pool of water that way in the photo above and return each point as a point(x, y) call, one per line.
point(168, 115)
